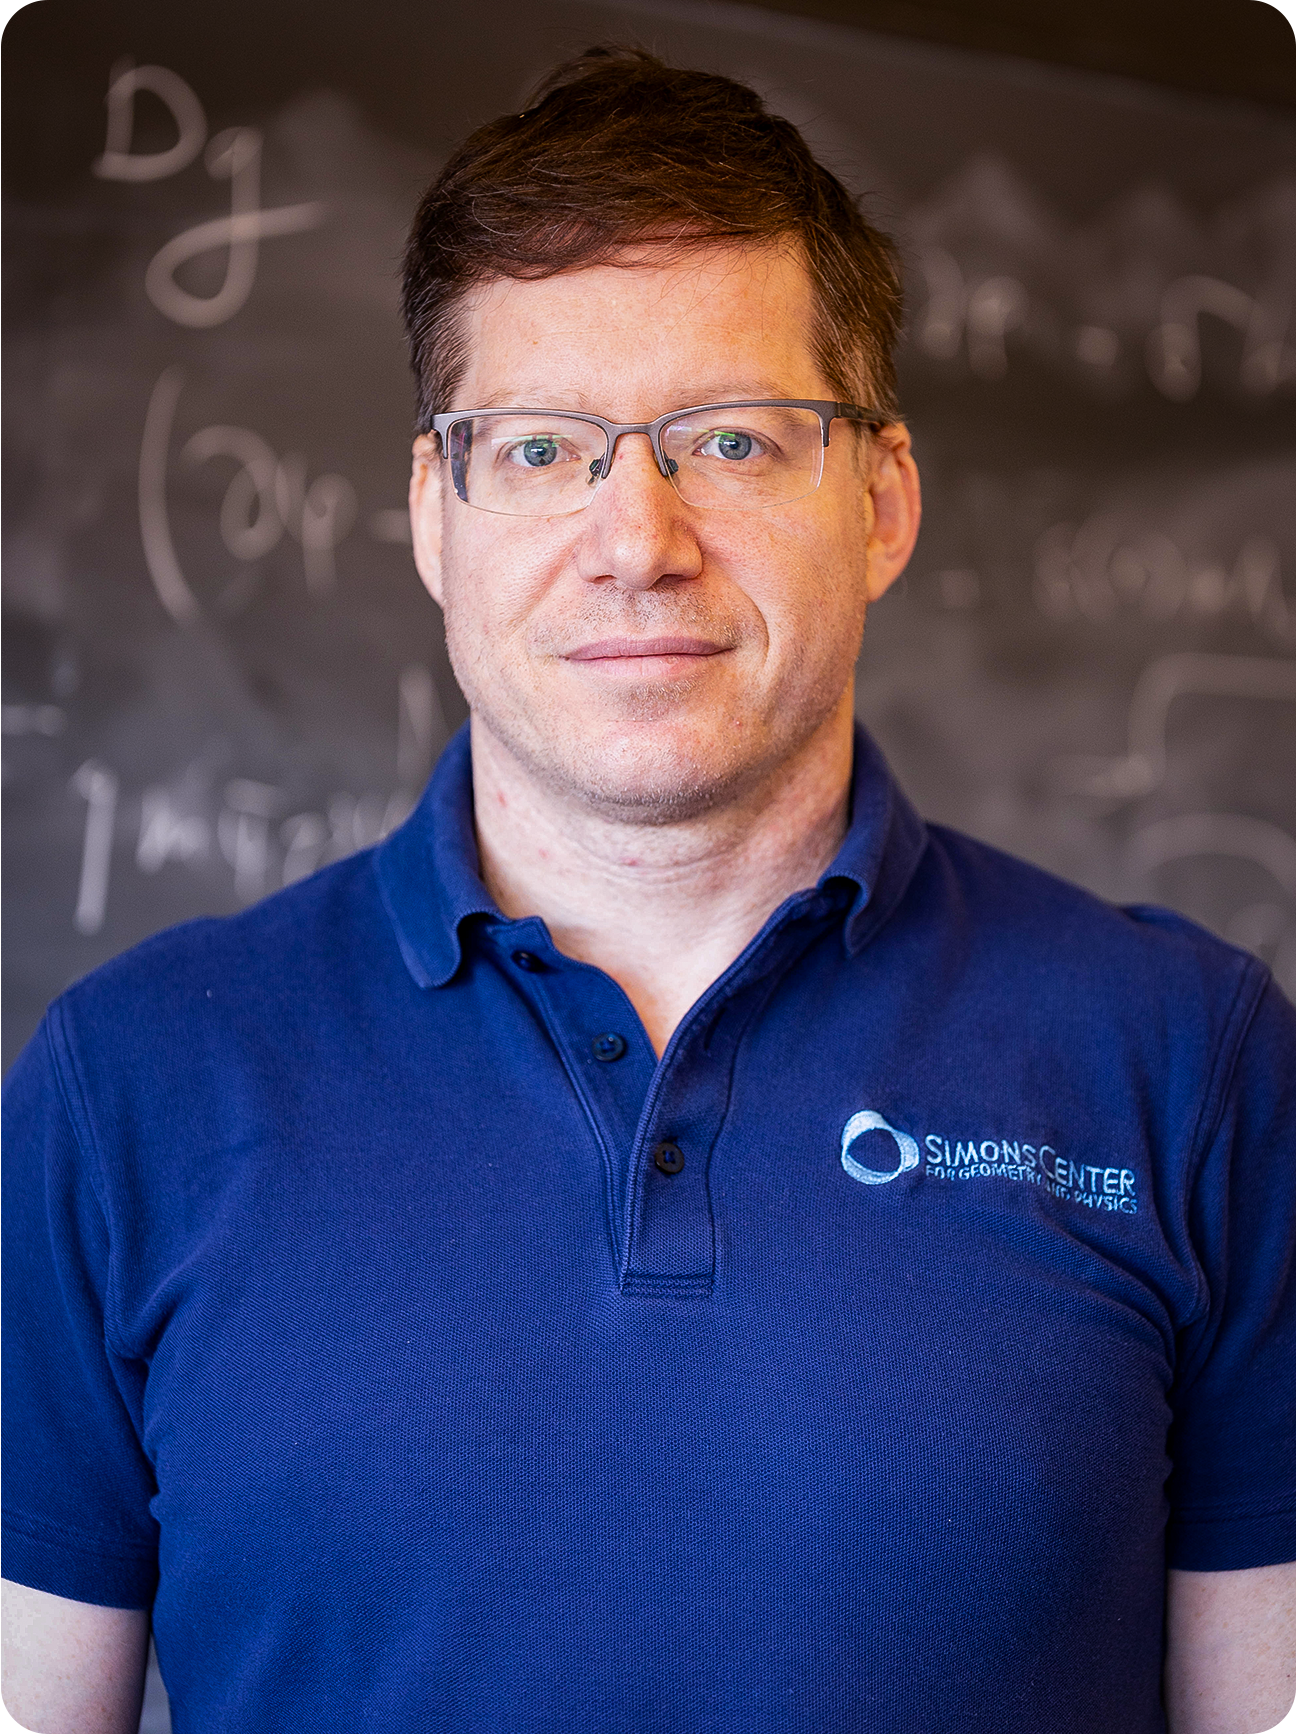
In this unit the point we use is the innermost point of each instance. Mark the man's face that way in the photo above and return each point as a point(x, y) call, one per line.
point(647, 657)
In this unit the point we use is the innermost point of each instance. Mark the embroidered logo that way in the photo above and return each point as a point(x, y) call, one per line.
point(870, 1121)
point(1102, 1187)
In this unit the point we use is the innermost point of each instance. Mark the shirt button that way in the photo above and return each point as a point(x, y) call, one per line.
point(609, 1047)
point(668, 1157)
point(527, 961)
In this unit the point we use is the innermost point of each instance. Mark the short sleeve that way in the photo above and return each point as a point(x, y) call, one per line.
point(1232, 1435)
point(77, 1481)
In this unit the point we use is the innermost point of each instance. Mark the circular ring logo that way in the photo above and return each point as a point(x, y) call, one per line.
point(870, 1121)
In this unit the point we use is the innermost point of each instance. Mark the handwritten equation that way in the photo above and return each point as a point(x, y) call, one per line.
point(247, 825)
point(267, 496)
point(234, 156)
point(1143, 769)
point(1099, 570)
point(1111, 302)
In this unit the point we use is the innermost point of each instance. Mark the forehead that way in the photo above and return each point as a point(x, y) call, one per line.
point(646, 333)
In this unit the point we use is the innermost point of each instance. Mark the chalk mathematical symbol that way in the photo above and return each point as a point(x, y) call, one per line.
point(99, 786)
point(167, 835)
point(941, 328)
point(1261, 926)
point(118, 162)
point(1103, 565)
point(304, 837)
point(986, 220)
point(1174, 350)
point(269, 495)
point(250, 521)
point(233, 155)
point(243, 833)
point(155, 525)
point(1238, 835)
point(391, 524)
point(980, 313)
point(996, 306)
point(354, 821)
point(1144, 765)
point(316, 517)
point(266, 496)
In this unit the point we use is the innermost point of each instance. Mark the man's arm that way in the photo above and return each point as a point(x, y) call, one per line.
point(72, 1667)
point(1230, 1649)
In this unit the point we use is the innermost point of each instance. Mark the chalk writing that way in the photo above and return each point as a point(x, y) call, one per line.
point(155, 528)
point(33, 719)
point(1237, 835)
point(119, 162)
point(167, 835)
point(1111, 298)
point(99, 787)
point(265, 497)
point(234, 156)
point(1094, 570)
point(245, 826)
point(1262, 926)
point(1144, 765)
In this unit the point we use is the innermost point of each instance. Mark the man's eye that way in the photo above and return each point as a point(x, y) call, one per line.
point(728, 443)
point(536, 453)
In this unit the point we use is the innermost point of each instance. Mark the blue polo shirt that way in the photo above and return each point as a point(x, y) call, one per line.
point(430, 1357)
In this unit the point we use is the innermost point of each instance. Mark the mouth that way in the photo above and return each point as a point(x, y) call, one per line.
point(611, 652)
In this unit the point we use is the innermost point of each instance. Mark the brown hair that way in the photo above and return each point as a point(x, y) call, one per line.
point(618, 148)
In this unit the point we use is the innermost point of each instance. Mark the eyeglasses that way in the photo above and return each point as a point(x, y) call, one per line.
point(730, 457)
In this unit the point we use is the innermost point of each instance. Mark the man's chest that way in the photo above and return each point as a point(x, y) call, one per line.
point(855, 1400)
point(851, 1261)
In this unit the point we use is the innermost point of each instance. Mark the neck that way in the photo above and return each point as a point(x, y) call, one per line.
point(662, 909)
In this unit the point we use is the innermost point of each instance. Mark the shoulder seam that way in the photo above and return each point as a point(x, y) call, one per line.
point(79, 1120)
point(1212, 1106)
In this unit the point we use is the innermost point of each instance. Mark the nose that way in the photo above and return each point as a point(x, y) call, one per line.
point(638, 532)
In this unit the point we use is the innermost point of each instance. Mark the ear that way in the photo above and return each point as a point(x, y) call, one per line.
point(426, 513)
point(894, 491)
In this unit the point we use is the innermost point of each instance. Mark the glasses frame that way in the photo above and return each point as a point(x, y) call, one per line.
point(828, 410)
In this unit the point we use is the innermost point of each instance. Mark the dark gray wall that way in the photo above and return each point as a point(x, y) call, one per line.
point(219, 666)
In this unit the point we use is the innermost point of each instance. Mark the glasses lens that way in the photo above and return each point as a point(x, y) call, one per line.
point(526, 465)
point(745, 458)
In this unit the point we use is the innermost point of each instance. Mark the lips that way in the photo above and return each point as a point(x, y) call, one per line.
point(607, 650)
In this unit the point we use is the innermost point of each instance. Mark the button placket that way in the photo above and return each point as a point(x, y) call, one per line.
point(670, 1239)
point(601, 1044)
point(664, 1116)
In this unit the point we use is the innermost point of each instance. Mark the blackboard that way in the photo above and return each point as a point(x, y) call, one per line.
point(220, 669)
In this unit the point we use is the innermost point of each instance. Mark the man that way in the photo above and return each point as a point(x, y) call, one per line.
point(667, 1241)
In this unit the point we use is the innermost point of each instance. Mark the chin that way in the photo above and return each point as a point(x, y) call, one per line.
point(653, 772)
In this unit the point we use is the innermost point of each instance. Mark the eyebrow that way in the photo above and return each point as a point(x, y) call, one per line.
point(579, 403)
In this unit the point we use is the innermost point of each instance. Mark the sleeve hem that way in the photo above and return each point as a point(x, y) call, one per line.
point(1225, 1545)
point(112, 1580)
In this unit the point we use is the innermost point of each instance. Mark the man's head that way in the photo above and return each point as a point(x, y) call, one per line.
point(640, 241)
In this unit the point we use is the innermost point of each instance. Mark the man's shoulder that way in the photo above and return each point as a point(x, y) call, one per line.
point(297, 941)
point(1037, 926)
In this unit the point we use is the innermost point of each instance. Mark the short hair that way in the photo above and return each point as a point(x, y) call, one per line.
point(617, 150)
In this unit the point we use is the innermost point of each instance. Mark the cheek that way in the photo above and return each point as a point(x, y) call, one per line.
point(492, 579)
point(808, 584)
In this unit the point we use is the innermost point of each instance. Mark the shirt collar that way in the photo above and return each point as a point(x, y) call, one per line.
point(428, 870)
